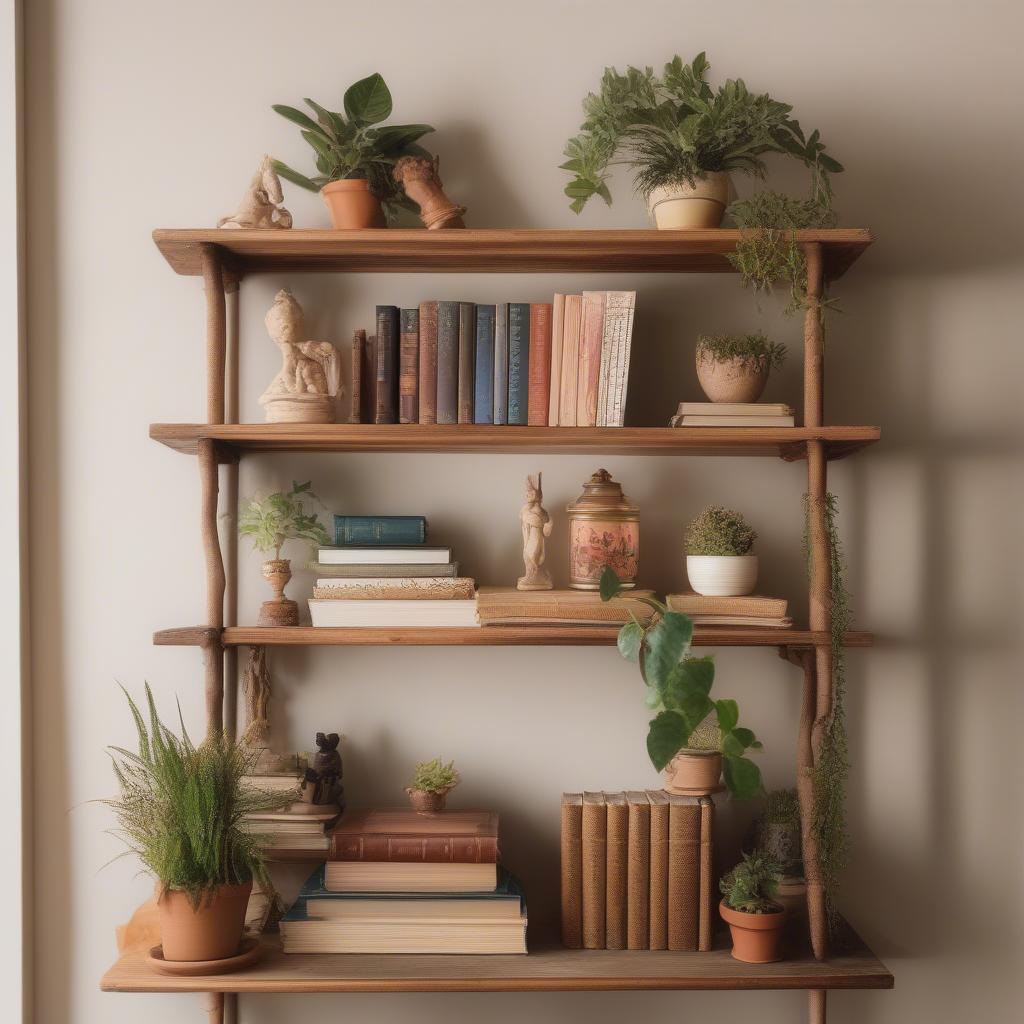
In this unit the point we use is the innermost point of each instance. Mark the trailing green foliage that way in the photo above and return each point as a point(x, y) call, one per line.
point(781, 807)
point(182, 808)
point(354, 144)
point(435, 776)
point(279, 517)
point(719, 531)
point(679, 690)
point(748, 348)
point(751, 884)
point(675, 128)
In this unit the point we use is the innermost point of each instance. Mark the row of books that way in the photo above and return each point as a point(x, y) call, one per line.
point(560, 363)
point(637, 871)
point(733, 414)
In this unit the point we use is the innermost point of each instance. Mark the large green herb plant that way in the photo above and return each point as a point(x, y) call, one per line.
point(747, 348)
point(679, 690)
point(281, 516)
point(719, 531)
point(675, 128)
point(354, 143)
point(435, 776)
point(750, 885)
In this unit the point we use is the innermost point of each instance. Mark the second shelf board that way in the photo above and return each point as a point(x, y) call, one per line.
point(789, 443)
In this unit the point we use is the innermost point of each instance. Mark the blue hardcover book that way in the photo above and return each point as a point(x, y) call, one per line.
point(483, 406)
point(379, 531)
point(518, 361)
point(501, 363)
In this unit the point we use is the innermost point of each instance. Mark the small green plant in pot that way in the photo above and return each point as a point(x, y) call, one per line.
point(432, 782)
point(692, 739)
point(755, 920)
point(735, 367)
point(719, 562)
point(777, 831)
point(356, 154)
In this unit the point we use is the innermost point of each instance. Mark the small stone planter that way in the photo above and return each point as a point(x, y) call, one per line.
point(682, 206)
point(756, 938)
point(731, 380)
point(722, 575)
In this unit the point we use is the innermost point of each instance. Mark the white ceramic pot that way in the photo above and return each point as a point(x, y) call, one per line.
point(680, 206)
point(722, 575)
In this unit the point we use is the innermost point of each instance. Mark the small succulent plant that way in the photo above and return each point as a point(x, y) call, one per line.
point(435, 776)
point(719, 531)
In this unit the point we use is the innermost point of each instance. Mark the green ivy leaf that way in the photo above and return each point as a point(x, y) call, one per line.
point(295, 177)
point(666, 643)
point(368, 100)
point(728, 715)
point(631, 636)
point(742, 777)
point(745, 736)
point(610, 584)
point(731, 745)
point(665, 737)
point(301, 119)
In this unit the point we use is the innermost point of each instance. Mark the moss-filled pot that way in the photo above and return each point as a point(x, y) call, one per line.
point(756, 938)
point(211, 931)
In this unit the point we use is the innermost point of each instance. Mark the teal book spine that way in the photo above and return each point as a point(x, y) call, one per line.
point(518, 361)
point(379, 531)
point(501, 364)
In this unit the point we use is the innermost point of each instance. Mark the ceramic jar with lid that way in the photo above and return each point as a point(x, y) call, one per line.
point(604, 530)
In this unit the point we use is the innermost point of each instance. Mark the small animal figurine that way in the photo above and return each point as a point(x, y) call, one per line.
point(419, 176)
point(536, 525)
point(321, 784)
point(260, 206)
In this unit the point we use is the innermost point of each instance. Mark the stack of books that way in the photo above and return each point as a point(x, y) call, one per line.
point(637, 871)
point(560, 363)
point(399, 882)
point(752, 610)
point(506, 606)
point(380, 573)
point(732, 414)
point(292, 831)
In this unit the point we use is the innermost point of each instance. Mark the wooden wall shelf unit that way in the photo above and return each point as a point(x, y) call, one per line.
point(224, 259)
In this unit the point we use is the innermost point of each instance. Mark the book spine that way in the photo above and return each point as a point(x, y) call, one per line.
point(557, 348)
point(539, 390)
point(572, 870)
point(387, 365)
point(483, 371)
point(383, 531)
point(706, 924)
point(638, 873)
point(607, 369)
point(595, 868)
point(447, 362)
point(683, 872)
point(591, 334)
point(659, 872)
point(358, 344)
point(698, 604)
point(501, 364)
point(428, 363)
point(618, 332)
point(617, 840)
point(414, 849)
point(570, 361)
point(368, 378)
point(518, 361)
point(408, 366)
point(371, 588)
point(467, 342)
point(395, 570)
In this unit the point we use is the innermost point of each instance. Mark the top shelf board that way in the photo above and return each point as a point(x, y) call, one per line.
point(399, 250)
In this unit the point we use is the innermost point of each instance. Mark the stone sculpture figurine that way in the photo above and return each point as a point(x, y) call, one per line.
point(309, 381)
point(321, 785)
point(419, 176)
point(536, 525)
point(261, 205)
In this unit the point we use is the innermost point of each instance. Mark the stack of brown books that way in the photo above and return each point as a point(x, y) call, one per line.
point(294, 831)
point(506, 606)
point(732, 414)
point(752, 610)
point(637, 871)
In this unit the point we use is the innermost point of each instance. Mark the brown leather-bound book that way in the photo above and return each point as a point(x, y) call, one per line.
point(638, 872)
point(428, 363)
point(591, 339)
point(368, 381)
point(358, 345)
point(539, 397)
point(408, 365)
point(456, 837)
point(595, 869)
point(617, 838)
point(467, 346)
point(570, 361)
point(659, 869)
point(706, 924)
point(751, 605)
point(683, 871)
point(572, 870)
point(386, 408)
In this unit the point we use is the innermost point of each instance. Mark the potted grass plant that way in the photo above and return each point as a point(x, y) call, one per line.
point(181, 810)
point(355, 155)
point(682, 138)
point(432, 782)
point(735, 367)
point(755, 920)
point(719, 562)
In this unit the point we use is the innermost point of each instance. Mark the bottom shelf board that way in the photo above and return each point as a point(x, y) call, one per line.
point(547, 968)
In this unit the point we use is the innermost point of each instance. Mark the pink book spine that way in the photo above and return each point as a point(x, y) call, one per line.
point(591, 338)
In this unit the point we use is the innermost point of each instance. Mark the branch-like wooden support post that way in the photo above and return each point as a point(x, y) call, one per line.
point(816, 1005)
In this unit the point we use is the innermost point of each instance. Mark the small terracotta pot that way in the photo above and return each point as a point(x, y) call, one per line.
point(352, 204)
point(756, 938)
point(211, 932)
point(425, 801)
point(682, 206)
point(693, 773)
point(722, 575)
point(731, 380)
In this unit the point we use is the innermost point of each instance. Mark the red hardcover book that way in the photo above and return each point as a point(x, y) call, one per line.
point(428, 363)
point(457, 837)
point(591, 339)
point(539, 398)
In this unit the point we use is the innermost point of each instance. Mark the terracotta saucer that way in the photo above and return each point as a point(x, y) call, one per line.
point(696, 791)
point(248, 953)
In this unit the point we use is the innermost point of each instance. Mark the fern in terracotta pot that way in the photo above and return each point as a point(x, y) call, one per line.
point(432, 782)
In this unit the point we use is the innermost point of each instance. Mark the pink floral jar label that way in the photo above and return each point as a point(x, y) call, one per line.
point(594, 544)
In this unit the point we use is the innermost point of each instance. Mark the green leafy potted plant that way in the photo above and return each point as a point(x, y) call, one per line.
point(718, 558)
point(355, 155)
point(431, 783)
point(735, 367)
point(182, 811)
point(777, 831)
point(755, 920)
point(692, 739)
point(269, 522)
point(682, 138)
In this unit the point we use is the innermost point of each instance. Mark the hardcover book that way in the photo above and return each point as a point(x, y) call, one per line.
point(428, 363)
point(467, 345)
point(734, 409)
point(452, 613)
point(618, 339)
point(508, 606)
point(617, 844)
point(386, 410)
point(595, 869)
point(332, 573)
point(570, 361)
point(368, 381)
point(733, 421)
point(447, 362)
point(402, 588)
point(358, 355)
point(638, 872)
point(659, 869)
point(404, 876)
point(463, 837)
point(372, 555)
point(501, 363)
point(557, 348)
point(386, 531)
point(708, 908)
point(539, 387)
point(483, 402)
point(591, 339)
point(684, 833)
point(408, 366)
point(518, 362)
point(751, 605)
point(572, 870)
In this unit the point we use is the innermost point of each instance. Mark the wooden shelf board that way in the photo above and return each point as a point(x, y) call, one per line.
point(485, 636)
point(392, 250)
point(784, 442)
point(546, 968)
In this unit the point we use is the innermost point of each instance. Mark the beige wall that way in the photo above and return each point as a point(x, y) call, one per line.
point(146, 115)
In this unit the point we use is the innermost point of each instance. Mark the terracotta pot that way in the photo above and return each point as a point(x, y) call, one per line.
point(693, 773)
point(722, 575)
point(426, 802)
point(352, 204)
point(682, 206)
point(756, 938)
point(731, 380)
point(213, 932)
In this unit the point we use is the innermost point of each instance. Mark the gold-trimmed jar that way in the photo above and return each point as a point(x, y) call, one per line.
point(604, 529)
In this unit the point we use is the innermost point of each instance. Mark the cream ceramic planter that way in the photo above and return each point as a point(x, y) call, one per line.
point(731, 380)
point(693, 773)
point(682, 206)
point(722, 575)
